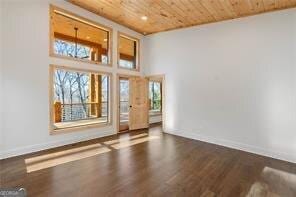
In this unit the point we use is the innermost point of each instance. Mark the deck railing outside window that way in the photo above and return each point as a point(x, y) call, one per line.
point(82, 111)
point(124, 106)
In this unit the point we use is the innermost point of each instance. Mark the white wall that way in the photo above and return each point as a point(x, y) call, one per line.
point(1, 91)
point(231, 83)
point(26, 62)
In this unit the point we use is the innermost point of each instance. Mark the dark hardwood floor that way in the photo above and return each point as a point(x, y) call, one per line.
point(148, 163)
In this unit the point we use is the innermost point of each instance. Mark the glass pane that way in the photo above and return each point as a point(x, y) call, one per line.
point(151, 94)
point(124, 100)
point(80, 98)
point(105, 95)
point(126, 64)
point(155, 95)
point(127, 53)
point(77, 39)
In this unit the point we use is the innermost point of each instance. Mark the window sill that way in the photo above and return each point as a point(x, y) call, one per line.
point(155, 113)
point(61, 130)
point(130, 69)
point(79, 60)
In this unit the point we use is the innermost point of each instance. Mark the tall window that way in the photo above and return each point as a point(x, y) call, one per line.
point(78, 38)
point(79, 98)
point(124, 100)
point(155, 96)
point(128, 51)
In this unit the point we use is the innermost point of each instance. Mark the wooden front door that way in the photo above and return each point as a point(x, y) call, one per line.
point(139, 110)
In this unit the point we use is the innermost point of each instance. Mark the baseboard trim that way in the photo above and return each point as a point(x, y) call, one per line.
point(190, 135)
point(236, 145)
point(39, 147)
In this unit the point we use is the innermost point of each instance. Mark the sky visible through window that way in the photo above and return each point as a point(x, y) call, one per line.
point(72, 91)
point(66, 48)
point(126, 64)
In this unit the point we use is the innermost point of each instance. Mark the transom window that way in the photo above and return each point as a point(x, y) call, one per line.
point(78, 38)
point(79, 98)
point(128, 52)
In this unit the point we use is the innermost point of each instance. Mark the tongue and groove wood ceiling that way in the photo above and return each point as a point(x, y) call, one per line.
point(164, 15)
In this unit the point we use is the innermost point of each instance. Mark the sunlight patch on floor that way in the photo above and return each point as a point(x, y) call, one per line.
point(125, 138)
point(134, 142)
point(61, 157)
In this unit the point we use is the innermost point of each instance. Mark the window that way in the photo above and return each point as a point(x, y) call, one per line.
point(79, 98)
point(78, 38)
point(124, 100)
point(155, 96)
point(128, 51)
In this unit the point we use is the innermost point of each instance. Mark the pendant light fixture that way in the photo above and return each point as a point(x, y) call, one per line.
point(76, 34)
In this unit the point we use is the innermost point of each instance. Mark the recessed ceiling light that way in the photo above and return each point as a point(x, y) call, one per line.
point(144, 18)
point(87, 37)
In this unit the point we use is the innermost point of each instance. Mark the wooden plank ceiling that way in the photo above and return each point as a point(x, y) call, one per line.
point(166, 15)
point(65, 26)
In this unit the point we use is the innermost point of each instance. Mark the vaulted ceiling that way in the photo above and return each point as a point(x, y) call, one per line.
point(163, 15)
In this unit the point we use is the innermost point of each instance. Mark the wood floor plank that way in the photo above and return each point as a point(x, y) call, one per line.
point(147, 163)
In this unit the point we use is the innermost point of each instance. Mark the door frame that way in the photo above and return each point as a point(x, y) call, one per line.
point(163, 93)
point(119, 75)
point(158, 76)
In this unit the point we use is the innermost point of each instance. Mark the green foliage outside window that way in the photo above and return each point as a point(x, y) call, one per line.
point(155, 95)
